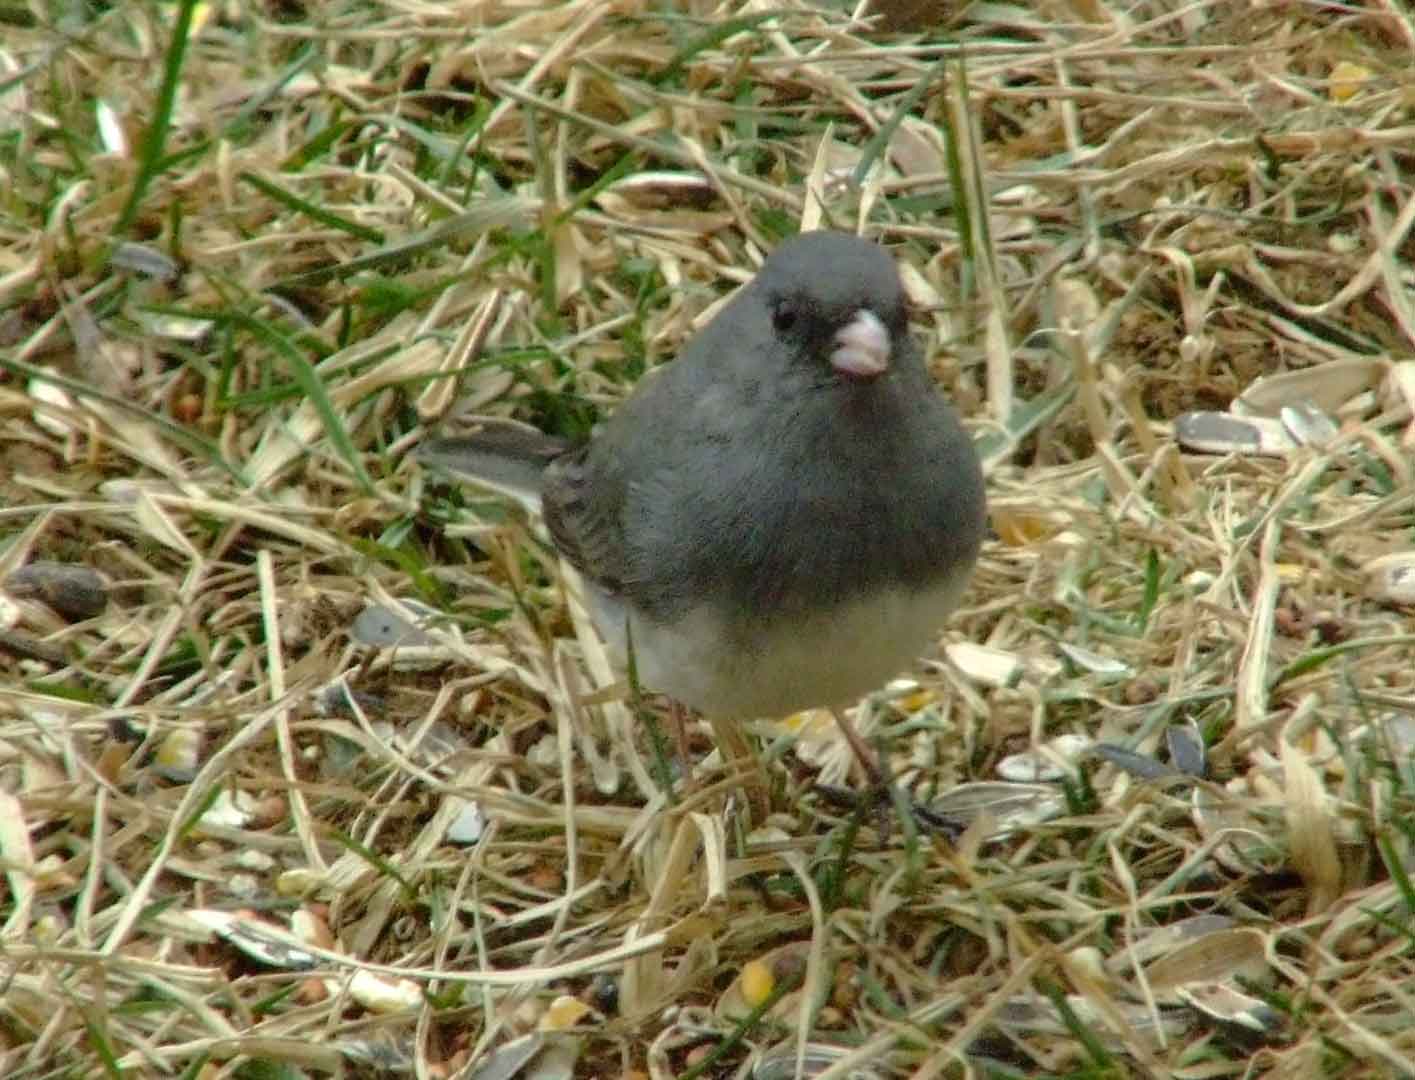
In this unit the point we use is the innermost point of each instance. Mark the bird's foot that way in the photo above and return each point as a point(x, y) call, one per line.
point(885, 800)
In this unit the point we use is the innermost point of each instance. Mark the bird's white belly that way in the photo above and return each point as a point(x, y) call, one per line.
point(821, 660)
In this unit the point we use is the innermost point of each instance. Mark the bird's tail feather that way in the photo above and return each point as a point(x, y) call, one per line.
point(501, 455)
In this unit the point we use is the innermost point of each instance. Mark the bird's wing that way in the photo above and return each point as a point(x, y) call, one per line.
point(582, 503)
point(586, 493)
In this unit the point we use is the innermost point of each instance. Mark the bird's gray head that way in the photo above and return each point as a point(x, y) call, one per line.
point(835, 301)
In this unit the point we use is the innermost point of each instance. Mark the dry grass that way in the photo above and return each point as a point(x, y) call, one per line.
point(260, 255)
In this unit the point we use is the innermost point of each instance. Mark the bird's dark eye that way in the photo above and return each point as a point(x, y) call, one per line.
point(783, 316)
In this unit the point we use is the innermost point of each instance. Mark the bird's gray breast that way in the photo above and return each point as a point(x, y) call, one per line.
point(826, 497)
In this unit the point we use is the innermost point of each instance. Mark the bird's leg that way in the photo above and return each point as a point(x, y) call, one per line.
point(874, 775)
point(878, 793)
point(739, 758)
point(678, 721)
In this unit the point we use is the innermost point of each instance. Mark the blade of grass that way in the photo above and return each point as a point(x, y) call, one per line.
point(714, 35)
point(374, 859)
point(513, 210)
point(150, 157)
point(1317, 657)
point(879, 141)
point(182, 436)
point(313, 386)
point(236, 130)
point(310, 210)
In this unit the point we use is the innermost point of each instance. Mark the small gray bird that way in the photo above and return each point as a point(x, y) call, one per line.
point(783, 517)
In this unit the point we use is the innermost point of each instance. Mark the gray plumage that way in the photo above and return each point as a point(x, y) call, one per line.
point(755, 502)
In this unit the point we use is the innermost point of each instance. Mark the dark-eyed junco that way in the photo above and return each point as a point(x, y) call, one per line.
point(781, 518)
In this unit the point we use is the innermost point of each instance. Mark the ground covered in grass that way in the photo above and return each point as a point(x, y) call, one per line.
point(307, 762)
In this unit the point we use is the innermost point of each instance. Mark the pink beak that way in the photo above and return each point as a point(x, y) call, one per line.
point(862, 347)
